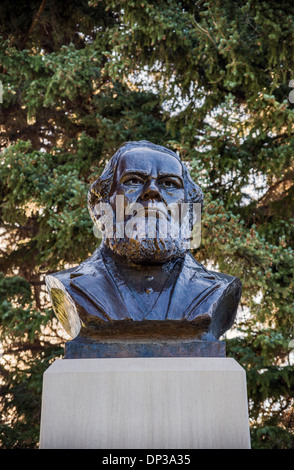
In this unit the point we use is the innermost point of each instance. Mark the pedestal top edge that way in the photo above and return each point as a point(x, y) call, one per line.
point(143, 364)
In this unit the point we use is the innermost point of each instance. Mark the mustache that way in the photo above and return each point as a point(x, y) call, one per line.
point(150, 210)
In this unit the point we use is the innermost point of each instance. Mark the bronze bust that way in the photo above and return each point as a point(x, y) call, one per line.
point(142, 288)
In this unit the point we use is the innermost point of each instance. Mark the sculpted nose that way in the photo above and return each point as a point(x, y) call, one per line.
point(151, 192)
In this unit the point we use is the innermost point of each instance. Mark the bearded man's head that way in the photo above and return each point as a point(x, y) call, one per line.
point(141, 194)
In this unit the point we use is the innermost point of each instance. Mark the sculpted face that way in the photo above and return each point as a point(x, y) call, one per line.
point(145, 176)
point(153, 180)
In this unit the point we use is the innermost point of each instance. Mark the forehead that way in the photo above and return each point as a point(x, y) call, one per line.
point(150, 161)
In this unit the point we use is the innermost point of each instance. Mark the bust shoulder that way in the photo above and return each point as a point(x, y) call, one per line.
point(213, 293)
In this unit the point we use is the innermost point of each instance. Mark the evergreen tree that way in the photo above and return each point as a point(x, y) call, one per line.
point(215, 87)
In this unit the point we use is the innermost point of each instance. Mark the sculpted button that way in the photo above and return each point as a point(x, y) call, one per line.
point(148, 290)
point(149, 278)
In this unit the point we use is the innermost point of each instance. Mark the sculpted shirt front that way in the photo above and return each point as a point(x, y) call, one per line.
point(96, 295)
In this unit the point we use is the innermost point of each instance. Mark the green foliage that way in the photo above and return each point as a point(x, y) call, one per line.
point(215, 87)
point(29, 349)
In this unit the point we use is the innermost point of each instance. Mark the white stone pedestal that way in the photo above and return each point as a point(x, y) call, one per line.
point(145, 403)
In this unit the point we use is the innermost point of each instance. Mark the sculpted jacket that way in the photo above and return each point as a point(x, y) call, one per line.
point(96, 296)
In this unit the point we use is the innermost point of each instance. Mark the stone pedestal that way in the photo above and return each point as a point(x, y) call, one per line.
point(145, 403)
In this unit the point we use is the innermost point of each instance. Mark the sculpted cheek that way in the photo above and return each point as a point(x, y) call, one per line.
point(177, 196)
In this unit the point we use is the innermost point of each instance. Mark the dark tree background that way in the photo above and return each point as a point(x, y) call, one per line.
point(209, 79)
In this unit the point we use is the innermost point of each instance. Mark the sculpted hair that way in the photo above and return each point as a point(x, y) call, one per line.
point(100, 190)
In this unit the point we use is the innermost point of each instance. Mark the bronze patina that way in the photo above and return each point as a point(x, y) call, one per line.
point(148, 295)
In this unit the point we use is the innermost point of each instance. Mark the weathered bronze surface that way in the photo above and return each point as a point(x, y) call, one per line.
point(84, 347)
point(143, 290)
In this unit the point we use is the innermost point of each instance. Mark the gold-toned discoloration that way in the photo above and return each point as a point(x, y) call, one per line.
point(61, 306)
point(64, 306)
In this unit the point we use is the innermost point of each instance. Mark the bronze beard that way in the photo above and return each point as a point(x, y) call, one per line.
point(148, 250)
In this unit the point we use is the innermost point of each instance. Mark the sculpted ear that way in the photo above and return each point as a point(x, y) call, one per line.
point(94, 197)
point(99, 190)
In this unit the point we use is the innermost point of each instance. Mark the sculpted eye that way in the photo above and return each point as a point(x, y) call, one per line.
point(134, 181)
point(170, 184)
